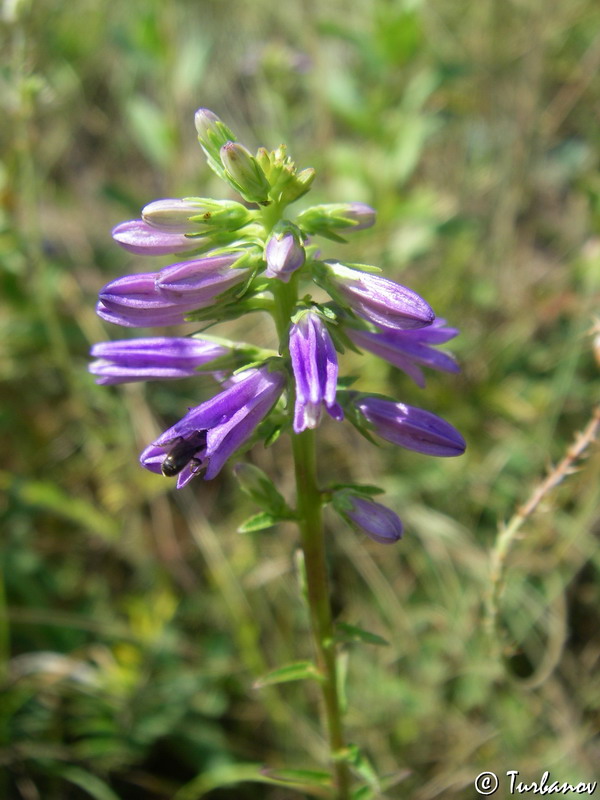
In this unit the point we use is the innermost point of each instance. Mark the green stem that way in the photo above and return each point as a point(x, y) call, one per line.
point(309, 507)
point(309, 502)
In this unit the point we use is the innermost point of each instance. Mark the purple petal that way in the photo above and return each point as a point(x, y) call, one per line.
point(203, 278)
point(136, 236)
point(374, 519)
point(411, 427)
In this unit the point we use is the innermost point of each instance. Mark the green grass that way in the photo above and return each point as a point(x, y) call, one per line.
point(135, 619)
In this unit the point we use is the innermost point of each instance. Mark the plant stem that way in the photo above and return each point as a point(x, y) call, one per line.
point(317, 584)
point(309, 502)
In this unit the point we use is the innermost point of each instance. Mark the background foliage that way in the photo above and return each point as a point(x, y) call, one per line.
point(135, 621)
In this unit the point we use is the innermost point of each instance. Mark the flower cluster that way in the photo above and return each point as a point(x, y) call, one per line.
point(241, 257)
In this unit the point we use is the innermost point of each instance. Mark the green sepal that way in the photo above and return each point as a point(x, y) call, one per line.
point(257, 485)
point(346, 634)
point(258, 522)
point(298, 671)
point(353, 415)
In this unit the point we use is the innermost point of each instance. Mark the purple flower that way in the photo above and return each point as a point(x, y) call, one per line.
point(411, 427)
point(365, 515)
point(151, 359)
point(134, 301)
point(409, 350)
point(136, 236)
point(314, 362)
point(284, 254)
point(376, 299)
point(209, 434)
point(201, 279)
point(186, 215)
point(165, 297)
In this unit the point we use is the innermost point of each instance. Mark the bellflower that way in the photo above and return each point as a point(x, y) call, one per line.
point(151, 359)
point(410, 350)
point(410, 427)
point(188, 214)
point(375, 299)
point(284, 253)
point(365, 515)
point(136, 236)
point(166, 297)
point(315, 367)
point(209, 434)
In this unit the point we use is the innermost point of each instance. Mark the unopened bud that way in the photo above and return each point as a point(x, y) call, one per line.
point(336, 218)
point(284, 252)
point(244, 173)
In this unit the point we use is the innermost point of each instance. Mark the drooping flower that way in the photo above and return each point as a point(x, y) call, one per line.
point(378, 300)
point(411, 427)
point(284, 253)
point(314, 362)
point(377, 521)
point(410, 350)
point(209, 434)
point(153, 358)
point(202, 279)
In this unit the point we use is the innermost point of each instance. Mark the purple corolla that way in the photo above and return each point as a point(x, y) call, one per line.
point(375, 299)
point(136, 236)
point(166, 297)
point(314, 362)
point(153, 358)
point(411, 427)
point(284, 254)
point(365, 515)
point(209, 434)
point(410, 350)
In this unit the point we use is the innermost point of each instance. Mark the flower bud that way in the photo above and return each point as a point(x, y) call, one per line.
point(155, 358)
point(284, 252)
point(201, 279)
point(365, 515)
point(244, 173)
point(136, 236)
point(410, 427)
point(336, 218)
point(378, 300)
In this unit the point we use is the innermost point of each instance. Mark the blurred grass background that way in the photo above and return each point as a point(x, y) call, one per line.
point(134, 620)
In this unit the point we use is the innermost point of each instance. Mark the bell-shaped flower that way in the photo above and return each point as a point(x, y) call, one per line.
point(378, 300)
point(315, 367)
point(201, 279)
point(410, 427)
point(201, 442)
point(410, 350)
point(365, 515)
point(153, 358)
point(284, 252)
point(134, 301)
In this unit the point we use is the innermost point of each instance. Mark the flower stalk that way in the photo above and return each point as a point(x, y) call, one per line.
point(309, 509)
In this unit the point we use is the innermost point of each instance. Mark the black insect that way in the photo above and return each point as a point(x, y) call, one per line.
point(182, 452)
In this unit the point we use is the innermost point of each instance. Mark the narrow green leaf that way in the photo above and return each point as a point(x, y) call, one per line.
point(298, 671)
point(257, 485)
point(346, 633)
point(309, 777)
point(238, 773)
point(90, 783)
point(258, 522)
point(357, 488)
point(360, 765)
point(363, 793)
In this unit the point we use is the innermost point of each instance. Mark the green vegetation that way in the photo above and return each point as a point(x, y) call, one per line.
point(136, 624)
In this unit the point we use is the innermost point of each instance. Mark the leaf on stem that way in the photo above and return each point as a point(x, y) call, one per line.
point(298, 671)
point(346, 634)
